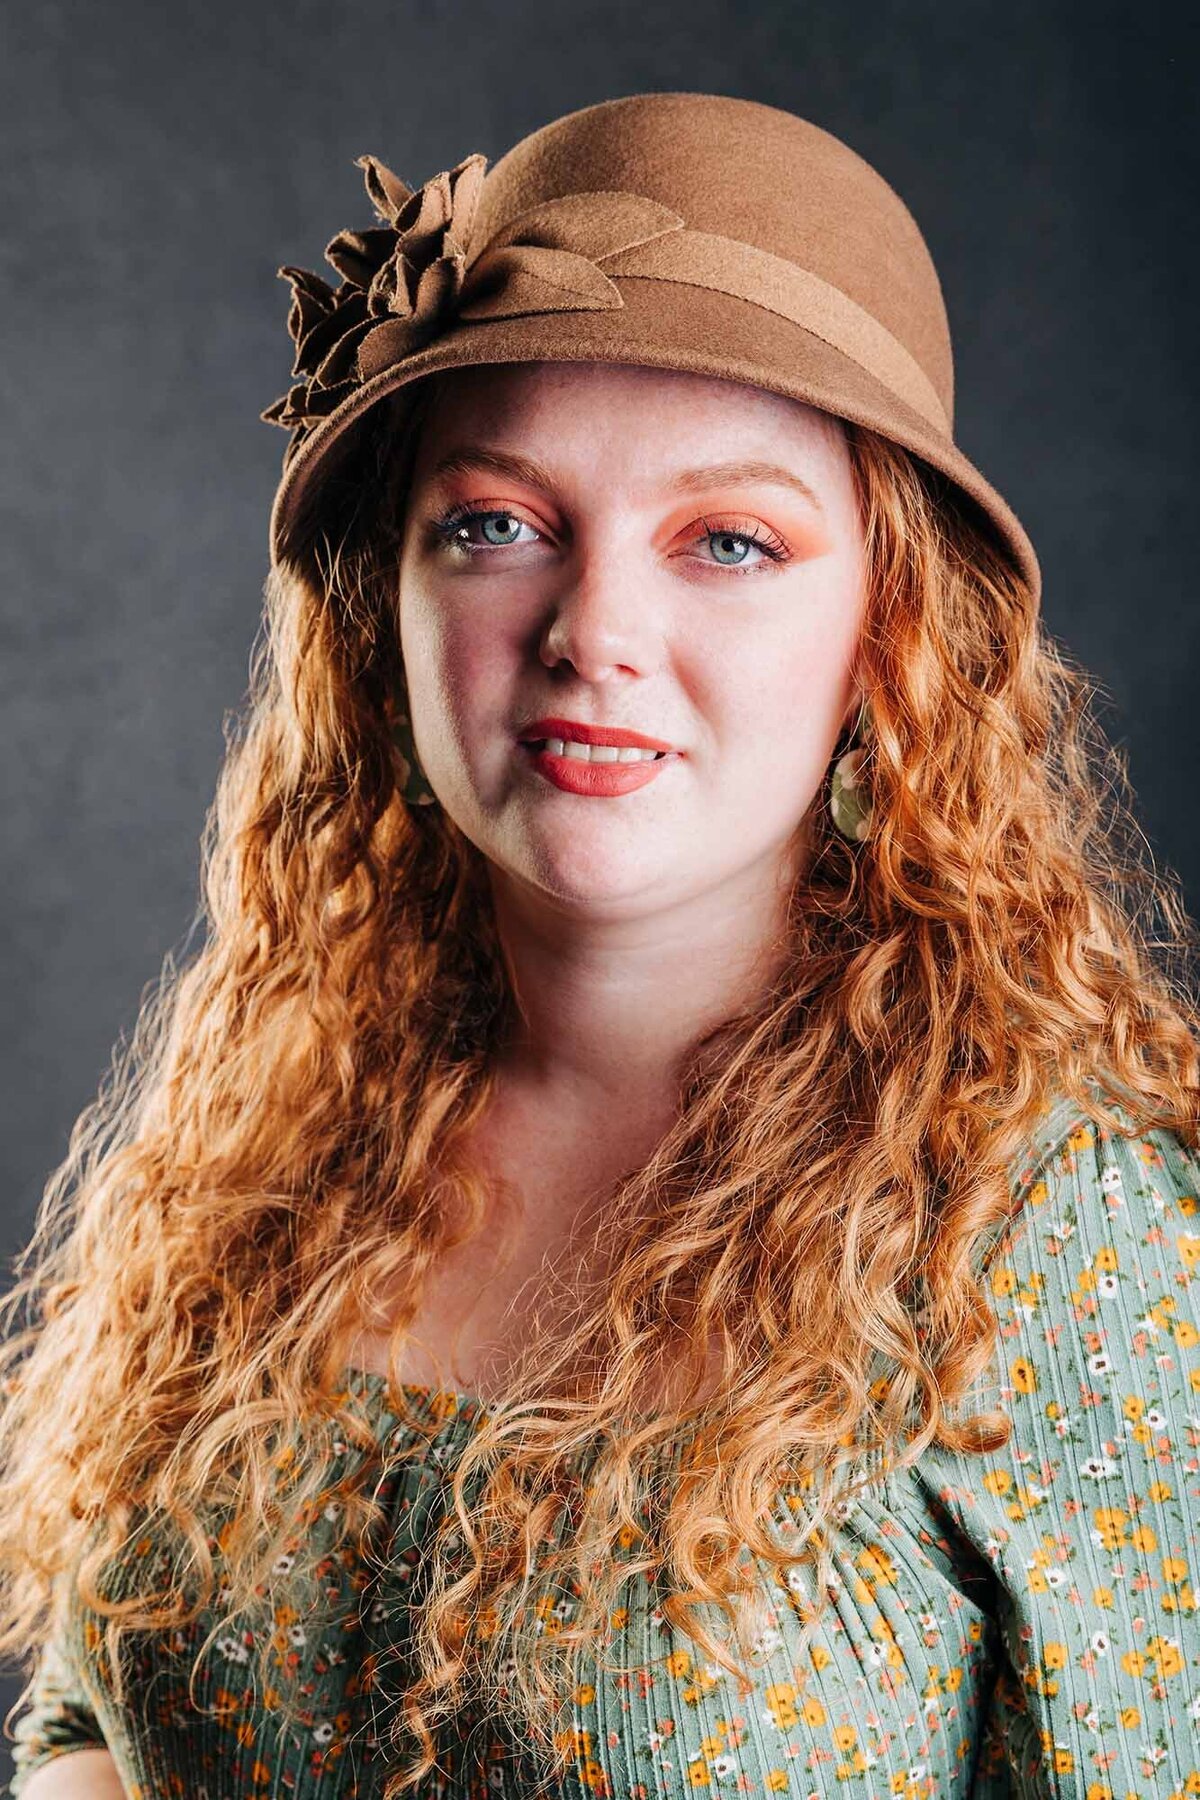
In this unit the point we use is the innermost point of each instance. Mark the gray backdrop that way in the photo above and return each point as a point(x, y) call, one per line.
point(159, 163)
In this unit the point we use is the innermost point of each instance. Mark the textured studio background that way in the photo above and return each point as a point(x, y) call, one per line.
point(157, 165)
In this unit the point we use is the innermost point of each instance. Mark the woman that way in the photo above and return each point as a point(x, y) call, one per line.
point(623, 1273)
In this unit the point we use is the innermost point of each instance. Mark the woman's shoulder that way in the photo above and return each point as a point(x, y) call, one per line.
point(1094, 1280)
point(1077, 1184)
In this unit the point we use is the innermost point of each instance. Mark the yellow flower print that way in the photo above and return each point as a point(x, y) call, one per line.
point(1111, 1523)
point(877, 1565)
point(1166, 1654)
point(1055, 1656)
point(1186, 1335)
point(1003, 1283)
point(1064, 1761)
point(813, 1712)
point(1081, 1138)
point(997, 1481)
point(1130, 1717)
point(844, 1736)
point(1024, 1375)
point(1133, 1662)
point(1105, 1261)
point(1188, 1246)
point(1134, 1407)
point(780, 1702)
point(776, 1781)
point(1038, 1193)
point(593, 1775)
point(679, 1662)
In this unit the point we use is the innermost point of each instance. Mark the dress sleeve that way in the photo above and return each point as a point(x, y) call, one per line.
point(1090, 1516)
point(57, 1719)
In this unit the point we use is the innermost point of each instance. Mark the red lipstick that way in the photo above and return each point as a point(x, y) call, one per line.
point(590, 734)
point(576, 776)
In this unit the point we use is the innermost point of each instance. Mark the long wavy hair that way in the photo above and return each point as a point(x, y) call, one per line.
point(283, 1136)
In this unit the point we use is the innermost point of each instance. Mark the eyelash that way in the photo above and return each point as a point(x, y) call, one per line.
point(772, 546)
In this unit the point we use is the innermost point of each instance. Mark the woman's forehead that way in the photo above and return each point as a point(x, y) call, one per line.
point(511, 403)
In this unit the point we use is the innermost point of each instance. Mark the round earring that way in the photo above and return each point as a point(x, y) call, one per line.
point(414, 788)
point(849, 797)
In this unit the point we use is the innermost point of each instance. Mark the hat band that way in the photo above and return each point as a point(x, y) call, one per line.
point(559, 256)
point(703, 259)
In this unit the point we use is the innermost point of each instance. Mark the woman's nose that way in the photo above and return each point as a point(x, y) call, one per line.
point(601, 615)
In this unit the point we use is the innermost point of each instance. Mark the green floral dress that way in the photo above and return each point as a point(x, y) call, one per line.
point(1019, 1623)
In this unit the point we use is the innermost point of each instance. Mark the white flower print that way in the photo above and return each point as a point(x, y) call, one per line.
point(1111, 1185)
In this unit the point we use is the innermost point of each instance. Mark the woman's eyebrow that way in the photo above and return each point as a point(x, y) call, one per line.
point(744, 473)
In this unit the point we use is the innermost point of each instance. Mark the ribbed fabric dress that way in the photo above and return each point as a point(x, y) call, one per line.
point(1020, 1623)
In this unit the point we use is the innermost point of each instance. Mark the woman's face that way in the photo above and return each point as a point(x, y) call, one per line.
point(617, 577)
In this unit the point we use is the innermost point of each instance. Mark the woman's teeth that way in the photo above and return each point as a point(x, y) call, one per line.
point(596, 752)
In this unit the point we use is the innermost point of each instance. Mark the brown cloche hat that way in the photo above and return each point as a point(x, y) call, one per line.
point(682, 231)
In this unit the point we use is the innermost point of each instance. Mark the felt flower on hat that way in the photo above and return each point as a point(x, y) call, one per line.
point(406, 279)
point(410, 268)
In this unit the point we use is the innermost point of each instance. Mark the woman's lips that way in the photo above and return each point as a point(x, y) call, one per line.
point(575, 776)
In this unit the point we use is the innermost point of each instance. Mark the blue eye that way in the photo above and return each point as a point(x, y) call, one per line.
point(453, 525)
point(773, 548)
